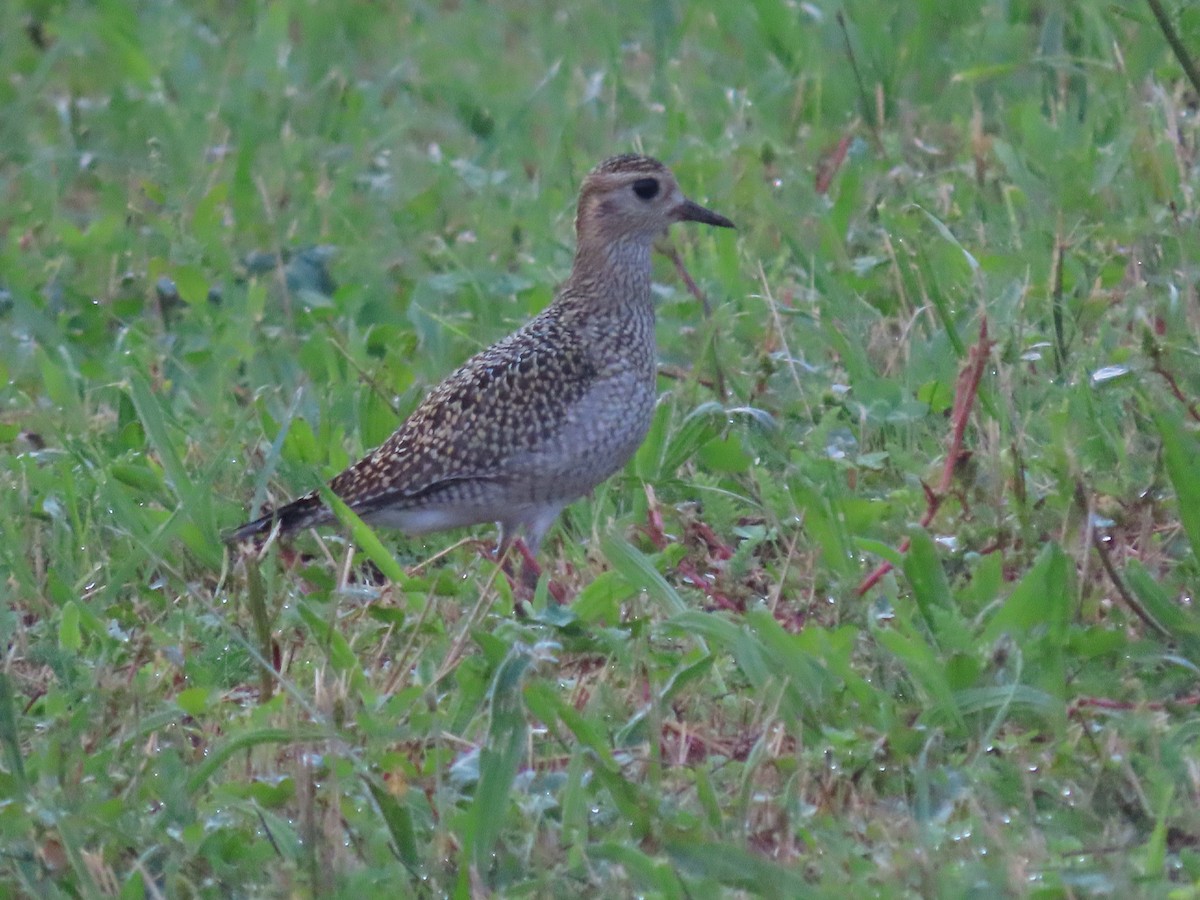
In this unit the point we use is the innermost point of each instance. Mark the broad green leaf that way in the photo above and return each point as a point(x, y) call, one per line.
point(341, 655)
point(500, 757)
point(192, 285)
point(880, 549)
point(1042, 599)
point(922, 663)
point(1182, 623)
point(69, 636)
point(545, 703)
point(283, 834)
point(58, 382)
point(724, 454)
point(682, 677)
point(710, 626)
point(398, 819)
point(193, 700)
point(923, 567)
point(1180, 452)
point(630, 800)
point(300, 445)
point(789, 659)
point(600, 599)
point(823, 522)
point(697, 428)
point(706, 793)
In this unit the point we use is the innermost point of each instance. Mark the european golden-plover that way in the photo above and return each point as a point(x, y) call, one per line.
point(539, 419)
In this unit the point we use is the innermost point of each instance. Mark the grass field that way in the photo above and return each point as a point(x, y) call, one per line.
point(897, 599)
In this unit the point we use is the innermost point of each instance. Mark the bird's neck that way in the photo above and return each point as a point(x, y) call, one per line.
point(613, 272)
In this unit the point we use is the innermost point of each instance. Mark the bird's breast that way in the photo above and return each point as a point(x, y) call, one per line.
point(595, 437)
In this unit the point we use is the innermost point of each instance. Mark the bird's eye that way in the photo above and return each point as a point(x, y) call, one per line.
point(646, 188)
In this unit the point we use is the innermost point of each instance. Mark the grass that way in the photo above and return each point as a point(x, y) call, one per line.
point(237, 244)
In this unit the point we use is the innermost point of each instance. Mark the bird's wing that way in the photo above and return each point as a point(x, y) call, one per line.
point(499, 404)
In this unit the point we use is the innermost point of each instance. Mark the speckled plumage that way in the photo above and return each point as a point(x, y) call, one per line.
point(544, 415)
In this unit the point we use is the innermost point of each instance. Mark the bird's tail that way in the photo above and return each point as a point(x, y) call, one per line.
point(295, 516)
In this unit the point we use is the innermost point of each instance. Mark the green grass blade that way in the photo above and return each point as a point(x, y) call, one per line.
point(1180, 452)
point(9, 735)
point(245, 741)
point(151, 415)
point(635, 567)
point(365, 538)
point(930, 586)
point(500, 758)
point(398, 819)
point(732, 867)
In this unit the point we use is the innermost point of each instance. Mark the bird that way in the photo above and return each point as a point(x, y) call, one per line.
point(544, 415)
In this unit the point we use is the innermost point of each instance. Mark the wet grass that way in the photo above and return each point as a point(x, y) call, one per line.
point(887, 604)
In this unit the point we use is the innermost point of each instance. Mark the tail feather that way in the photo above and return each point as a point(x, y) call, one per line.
point(295, 516)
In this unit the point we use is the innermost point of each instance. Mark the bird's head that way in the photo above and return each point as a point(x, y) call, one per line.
point(634, 197)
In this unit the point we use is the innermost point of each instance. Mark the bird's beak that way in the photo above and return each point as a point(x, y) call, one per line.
point(691, 211)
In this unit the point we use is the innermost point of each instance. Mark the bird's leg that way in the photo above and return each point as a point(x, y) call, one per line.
point(508, 537)
point(524, 582)
point(523, 576)
point(522, 592)
point(531, 571)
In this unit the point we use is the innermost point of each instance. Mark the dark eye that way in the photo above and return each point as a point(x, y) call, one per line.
point(646, 188)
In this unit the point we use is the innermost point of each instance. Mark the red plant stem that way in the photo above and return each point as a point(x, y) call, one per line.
point(966, 391)
point(1106, 703)
point(1161, 370)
